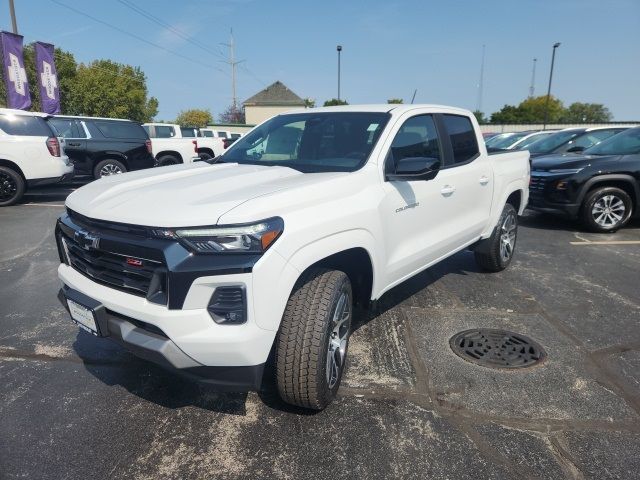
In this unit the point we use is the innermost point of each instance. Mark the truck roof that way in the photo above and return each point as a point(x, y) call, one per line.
point(383, 107)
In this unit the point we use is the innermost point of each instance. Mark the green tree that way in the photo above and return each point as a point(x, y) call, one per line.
point(232, 115)
point(395, 100)
point(531, 110)
point(586, 112)
point(309, 102)
point(104, 88)
point(480, 117)
point(194, 118)
point(334, 101)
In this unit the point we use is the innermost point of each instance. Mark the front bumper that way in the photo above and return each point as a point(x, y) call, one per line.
point(150, 343)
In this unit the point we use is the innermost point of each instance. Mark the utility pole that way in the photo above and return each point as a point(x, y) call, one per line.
point(14, 24)
point(481, 82)
point(339, 49)
point(532, 88)
point(233, 63)
point(546, 105)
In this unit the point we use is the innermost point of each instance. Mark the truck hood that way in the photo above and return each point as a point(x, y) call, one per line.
point(181, 195)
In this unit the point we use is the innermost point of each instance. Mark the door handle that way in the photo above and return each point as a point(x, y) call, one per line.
point(447, 190)
point(73, 144)
point(484, 180)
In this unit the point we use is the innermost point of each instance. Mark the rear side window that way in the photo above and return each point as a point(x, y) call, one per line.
point(25, 125)
point(462, 136)
point(188, 132)
point(222, 134)
point(121, 130)
point(67, 127)
point(207, 133)
point(163, 131)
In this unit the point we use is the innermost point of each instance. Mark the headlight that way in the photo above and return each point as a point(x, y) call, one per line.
point(246, 238)
point(568, 171)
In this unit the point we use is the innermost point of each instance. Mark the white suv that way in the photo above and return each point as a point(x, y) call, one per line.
point(30, 154)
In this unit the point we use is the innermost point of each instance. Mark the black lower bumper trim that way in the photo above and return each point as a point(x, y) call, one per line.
point(150, 343)
point(38, 182)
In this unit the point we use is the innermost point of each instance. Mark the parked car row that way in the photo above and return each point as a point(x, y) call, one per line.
point(39, 149)
point(590, 174)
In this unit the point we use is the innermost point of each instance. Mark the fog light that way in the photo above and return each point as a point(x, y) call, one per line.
point(562, 185)
point(228, 305)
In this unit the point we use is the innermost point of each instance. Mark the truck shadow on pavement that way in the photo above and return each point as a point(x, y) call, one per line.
point(115, 366)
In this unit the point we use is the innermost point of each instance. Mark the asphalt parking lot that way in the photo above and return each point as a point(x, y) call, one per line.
point(74, 406)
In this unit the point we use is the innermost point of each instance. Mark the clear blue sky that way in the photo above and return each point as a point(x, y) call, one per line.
point(390, 48)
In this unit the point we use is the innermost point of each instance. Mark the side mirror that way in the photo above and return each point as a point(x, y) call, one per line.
point(415, 168)
point(576, 149)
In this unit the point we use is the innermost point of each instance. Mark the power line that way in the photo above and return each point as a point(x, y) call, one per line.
point(171, 28)
point(132, 35)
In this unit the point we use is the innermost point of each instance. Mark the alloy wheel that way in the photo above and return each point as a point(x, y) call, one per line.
point(338, 338)
point(508, 231)
point(608, 211)
point(110, 169)
point(8, 186)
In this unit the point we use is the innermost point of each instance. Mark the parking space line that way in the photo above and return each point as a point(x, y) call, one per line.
point(612, 242)
point(43, 205)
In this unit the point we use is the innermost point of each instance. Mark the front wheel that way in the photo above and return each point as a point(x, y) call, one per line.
point(312, 343)
point(11, 186)
point(606, 209)
point(496, 252)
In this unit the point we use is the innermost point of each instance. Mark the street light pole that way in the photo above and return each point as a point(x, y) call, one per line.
point(339, 49)
point(12, 10)
point(546, 104)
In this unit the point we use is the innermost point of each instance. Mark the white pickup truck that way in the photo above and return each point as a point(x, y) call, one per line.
point(208, 268)
point(172, 144)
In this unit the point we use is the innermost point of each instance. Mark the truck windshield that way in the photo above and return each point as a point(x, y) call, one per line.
point(311, 142)
point(625, 143)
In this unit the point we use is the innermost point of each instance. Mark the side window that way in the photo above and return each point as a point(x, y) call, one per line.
point(417, 137)
point(119, 129)
point(26, 125)
point(78, 130)
point(462, 136)
point(188, 132)
point(222, 134)
point(163, 131)
point(207, 133)
point(64, 127)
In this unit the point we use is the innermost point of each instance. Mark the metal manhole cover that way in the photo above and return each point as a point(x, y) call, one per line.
point(495, 348)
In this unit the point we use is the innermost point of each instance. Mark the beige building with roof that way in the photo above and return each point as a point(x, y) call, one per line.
point(275, 99)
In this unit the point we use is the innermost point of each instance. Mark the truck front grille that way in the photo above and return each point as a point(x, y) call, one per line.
point(128, 274)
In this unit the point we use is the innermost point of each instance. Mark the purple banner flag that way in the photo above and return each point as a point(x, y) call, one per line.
point(15, 76)
point(47, 78)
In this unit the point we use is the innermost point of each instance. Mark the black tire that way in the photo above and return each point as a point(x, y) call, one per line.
point(103, 168)
point(302, 358)
point(594, 209)
point(493, 254)
point(12, 186)
point(165, 160)
point(204, 156)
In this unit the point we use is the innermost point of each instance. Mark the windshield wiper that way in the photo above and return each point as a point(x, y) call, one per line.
point(213, 160)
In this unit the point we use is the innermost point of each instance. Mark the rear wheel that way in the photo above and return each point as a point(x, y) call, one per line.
point(108, 167)
point(312, 343)
point(167, 160)
point(12, 186)
point(496, 252)
point(606, 209)
point(204, 156)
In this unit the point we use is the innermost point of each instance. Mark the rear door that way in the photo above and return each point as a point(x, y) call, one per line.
point(466, 179)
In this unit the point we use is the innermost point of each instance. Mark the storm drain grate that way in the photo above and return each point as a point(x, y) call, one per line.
point(495, 348)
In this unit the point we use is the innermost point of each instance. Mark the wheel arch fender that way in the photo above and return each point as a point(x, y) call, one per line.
point(272, 291)
point(615, 178)
point(111, 155)
point(14, 166)
point(515, 187)
point(171, 153)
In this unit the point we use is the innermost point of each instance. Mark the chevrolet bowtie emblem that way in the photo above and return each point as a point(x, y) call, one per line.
point(86, 239)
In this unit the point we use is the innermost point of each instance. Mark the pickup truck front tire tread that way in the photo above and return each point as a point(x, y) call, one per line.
point(12, 186)
point(303, 338)
point(488, 256)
